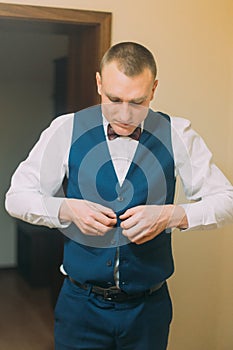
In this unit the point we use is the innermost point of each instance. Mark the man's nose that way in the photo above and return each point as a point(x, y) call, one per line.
point(125, 112)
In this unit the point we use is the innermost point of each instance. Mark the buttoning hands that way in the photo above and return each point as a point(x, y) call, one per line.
point(139, 224)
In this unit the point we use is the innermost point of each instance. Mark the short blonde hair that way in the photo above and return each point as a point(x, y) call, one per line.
point(132, 58)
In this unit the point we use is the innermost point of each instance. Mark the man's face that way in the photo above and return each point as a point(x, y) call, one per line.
point(125, 100)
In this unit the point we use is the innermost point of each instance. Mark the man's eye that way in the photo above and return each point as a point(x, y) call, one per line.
point(137, 103)
point(114, 101)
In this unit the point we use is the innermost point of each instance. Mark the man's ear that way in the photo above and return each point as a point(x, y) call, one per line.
point(98, 82)
point(154, 88)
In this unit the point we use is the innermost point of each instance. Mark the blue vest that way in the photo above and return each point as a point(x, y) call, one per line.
point(150, 180)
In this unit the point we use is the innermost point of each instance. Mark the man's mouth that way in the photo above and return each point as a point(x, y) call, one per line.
point(124, 125)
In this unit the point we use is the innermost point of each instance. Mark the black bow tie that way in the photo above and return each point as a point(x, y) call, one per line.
point(112, 135)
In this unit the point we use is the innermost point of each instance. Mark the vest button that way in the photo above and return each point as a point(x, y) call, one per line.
point(123, 283)
point(120, 198)
point(109, 263)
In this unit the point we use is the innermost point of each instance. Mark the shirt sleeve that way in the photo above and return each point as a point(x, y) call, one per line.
point(33, 194)
point(208, 191)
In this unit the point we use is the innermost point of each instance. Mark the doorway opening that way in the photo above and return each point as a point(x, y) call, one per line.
point(35, 42)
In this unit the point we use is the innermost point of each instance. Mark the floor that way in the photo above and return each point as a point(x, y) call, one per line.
point(26, 314)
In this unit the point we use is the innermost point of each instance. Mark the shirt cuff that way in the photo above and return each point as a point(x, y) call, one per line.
point(52, 207)
point(198, 218)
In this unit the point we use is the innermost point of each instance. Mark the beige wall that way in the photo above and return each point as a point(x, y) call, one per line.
point(192, 41)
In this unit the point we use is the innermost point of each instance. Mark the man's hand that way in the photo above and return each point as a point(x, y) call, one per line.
point(91, 218)
point(142, 223)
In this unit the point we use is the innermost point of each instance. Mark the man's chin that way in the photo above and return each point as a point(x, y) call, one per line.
point(125, 133)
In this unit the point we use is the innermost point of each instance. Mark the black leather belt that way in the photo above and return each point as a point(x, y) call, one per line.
point(115, 293)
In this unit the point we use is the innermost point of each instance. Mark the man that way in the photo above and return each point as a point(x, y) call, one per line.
point(121, 160)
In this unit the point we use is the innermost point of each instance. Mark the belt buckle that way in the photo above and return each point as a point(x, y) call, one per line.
point(111, 293)
point(107, 295)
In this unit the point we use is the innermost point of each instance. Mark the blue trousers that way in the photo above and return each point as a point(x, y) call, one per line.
point(84, 321)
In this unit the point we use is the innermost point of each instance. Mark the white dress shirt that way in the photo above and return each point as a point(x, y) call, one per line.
point(33, 192)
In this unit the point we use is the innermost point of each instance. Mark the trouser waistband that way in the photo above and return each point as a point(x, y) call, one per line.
point(115, 293)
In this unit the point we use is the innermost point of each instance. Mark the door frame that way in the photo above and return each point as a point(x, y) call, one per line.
point(89, 34)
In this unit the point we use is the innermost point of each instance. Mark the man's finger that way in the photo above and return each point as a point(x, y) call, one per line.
point(128, 213)
point(100, 208)
point(105, 220)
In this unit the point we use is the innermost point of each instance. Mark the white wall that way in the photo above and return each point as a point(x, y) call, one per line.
point(192, 41)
